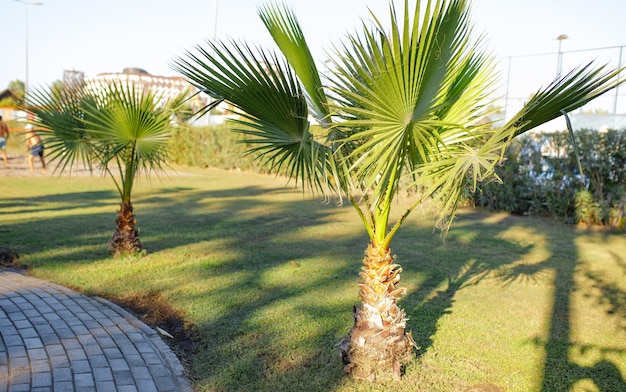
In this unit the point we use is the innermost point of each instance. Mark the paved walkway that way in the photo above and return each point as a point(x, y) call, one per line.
point(53, 339)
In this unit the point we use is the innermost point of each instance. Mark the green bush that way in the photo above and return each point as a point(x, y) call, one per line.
point(216, 146)
point(211, 146)
point(541, 176)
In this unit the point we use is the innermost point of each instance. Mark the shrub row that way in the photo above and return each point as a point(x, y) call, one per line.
point(211, 146)
point(541, 175)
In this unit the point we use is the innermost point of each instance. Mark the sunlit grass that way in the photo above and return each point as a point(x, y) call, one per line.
point(268, 277)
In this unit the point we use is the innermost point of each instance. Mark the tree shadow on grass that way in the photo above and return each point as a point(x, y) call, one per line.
point(565, 365)
point(245, 346)
point(462, 262)
point(59, 202)
point(239, 347)
point(75, 234)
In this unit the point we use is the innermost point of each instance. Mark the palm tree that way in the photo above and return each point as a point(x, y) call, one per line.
point(118, 128)
point(401, 108)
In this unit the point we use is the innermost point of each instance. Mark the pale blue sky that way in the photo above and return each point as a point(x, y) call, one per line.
point(108, 35)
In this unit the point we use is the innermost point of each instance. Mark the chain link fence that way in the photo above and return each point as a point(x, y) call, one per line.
point(524, 75)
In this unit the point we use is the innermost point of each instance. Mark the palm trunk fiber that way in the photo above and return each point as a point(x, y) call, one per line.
point(377, 346)
point(125, 240)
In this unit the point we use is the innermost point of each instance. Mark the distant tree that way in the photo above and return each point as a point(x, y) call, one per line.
point(17, 89)
point(121, 129)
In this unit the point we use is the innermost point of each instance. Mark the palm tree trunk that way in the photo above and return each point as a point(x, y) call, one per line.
point(377, 346)
point(125, 240)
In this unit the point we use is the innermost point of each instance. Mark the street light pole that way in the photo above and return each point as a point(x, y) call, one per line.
point(559, 63)
point(26, 4)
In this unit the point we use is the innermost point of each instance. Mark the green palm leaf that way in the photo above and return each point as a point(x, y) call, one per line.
point(106, 125)
point(115, 126)
point(400, 92)
point(60, 117)
point(570, 92)
point(285, 29)
point(271, 102)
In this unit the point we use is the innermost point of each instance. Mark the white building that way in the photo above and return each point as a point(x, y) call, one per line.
point(163, 87)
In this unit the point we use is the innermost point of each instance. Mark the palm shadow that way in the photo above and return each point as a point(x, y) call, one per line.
point(435, 296)
point(240, 219)
point(178, 216)
point(561, 371)
point(449, 266)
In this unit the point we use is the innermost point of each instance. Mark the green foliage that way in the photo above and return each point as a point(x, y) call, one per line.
point(7, 102)
point(215, 146)
point(403, 99)
point(588, 210)
point(541, 177)
point(267, 285)
point(121, 129)
point(211, 146)
point(16, 87)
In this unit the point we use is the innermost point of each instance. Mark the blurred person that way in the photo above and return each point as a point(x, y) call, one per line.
point(35, 145)
point(4, 136)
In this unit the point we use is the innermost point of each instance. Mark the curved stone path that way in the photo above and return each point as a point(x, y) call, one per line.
point(54, 339)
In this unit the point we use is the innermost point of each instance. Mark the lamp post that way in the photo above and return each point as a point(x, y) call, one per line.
point(559, 63)
point(26, 4)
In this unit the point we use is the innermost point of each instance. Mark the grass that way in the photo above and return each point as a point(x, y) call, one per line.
point(265, 279)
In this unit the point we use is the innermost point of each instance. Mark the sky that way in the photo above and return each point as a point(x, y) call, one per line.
point(102, 36)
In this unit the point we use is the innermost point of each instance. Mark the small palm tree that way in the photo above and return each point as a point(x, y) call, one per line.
point(402, 107)
point(118, 128)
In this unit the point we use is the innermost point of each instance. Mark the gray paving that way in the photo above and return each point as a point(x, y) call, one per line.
point(54, 339)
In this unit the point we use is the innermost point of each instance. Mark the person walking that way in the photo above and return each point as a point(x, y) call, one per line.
point(35, 145)
point(4, 136)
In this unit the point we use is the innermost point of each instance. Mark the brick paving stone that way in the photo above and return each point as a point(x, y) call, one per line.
point(147, 386)
point(55, 349)
point(127, 388)
point(54, 339)
point(113, 353)
point(63, 386)
point(59, 361)
point(82, 366)
point(83, 380)
point(42, 379)
point(135, 360)
point(123, 377)
point(62, 374)
point(40, 366)
point(141, 373)
point(19, 388)
point(102, 374)
point(105, 386)
point(98, 361)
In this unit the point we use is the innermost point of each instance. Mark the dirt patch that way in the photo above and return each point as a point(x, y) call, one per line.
point(8, 258)
point(18, 167)
point(155, 311)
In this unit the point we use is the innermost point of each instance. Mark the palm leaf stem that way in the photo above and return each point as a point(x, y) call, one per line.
point(368, 226)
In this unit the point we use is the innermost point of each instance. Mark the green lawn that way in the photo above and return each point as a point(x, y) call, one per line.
point(266, 277)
